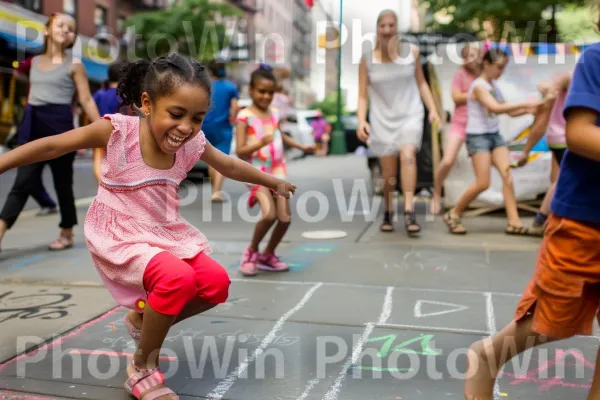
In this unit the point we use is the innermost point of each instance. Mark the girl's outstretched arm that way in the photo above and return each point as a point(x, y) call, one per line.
point(239, 170)
point(492, 105)
point(90, 136)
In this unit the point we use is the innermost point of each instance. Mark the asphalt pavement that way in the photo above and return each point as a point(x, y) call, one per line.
point(369, 315)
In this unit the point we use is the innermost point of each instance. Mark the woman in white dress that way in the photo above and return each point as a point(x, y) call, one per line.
point(393, 88)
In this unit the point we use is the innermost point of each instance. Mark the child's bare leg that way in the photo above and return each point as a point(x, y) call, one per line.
point(283, 223)
point(486, 357)
point(450, 152)
point(193, 308)
point(594, 393)
point(155, 327)
point(269, 215)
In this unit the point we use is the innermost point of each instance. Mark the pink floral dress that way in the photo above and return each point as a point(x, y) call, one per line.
point(270, 158)
point(135, 214)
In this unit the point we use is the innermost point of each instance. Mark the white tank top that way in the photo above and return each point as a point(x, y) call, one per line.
point(479, 119)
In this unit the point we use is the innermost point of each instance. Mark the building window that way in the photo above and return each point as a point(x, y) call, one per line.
point(100, 16)
point(121, 24)
point(70, 7)
point(33, 5)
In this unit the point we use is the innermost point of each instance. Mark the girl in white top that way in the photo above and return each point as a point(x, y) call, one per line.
point(485, 144)
point(391, 79)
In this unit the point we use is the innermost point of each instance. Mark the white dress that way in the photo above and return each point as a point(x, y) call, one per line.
point(396, 111)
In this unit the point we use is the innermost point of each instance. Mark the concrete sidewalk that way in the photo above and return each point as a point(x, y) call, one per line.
point(369, 316)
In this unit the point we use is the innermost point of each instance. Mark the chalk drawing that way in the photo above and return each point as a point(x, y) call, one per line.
point(223, 387)
point(388, 340)
point(451, 308)
point(282, 339)
point(232, 302)
point(536, 375)
point(42, 305)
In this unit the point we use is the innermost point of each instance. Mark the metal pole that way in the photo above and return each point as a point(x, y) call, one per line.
point(338, 138)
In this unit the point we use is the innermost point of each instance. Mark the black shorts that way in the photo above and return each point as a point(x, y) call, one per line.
point(558, 153)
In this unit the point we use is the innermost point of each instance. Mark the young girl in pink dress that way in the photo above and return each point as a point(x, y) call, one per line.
point(457, 136)
point(261, 143)
point(152, 260)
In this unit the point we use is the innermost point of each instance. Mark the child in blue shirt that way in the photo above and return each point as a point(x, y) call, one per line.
point(562, 298)
point(107, 100)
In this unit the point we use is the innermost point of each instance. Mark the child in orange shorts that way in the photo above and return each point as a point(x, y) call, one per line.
point(563, 297)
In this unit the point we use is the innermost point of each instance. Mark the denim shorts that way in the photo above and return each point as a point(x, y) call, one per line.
point(484, 142)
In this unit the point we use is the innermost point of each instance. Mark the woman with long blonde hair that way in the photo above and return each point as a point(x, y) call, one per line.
point(393, 87)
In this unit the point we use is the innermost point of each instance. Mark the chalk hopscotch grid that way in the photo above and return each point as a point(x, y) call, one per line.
point(226, 384)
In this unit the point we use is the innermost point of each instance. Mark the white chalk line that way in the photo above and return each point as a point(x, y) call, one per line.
point(337, 385)
point(229, 381)
point(386, 311)
point(432, 329)
point(387, 306)
point(491, 325)
point(361, 286)
point(311, 384)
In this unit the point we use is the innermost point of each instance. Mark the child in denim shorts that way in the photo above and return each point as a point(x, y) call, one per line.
point(485, 144)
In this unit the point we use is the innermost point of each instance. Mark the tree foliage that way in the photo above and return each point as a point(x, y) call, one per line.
point(513, 20)
point(194, 28)
point(328, 105)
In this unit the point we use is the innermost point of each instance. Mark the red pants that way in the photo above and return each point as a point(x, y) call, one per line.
point(172, 283)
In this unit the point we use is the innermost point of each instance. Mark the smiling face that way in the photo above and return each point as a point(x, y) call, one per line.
point(61, 31)
point(178, 117)
point(262, 92)
point(387, 27)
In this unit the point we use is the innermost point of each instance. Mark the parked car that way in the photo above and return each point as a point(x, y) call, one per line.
point(298, 126)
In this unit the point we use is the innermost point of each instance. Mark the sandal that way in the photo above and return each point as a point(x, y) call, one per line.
point(410, 221)
point(454, 224)
point(62, 243)
point(134, 332)
point(143, 380)
point(517, 230)
point(387, 225)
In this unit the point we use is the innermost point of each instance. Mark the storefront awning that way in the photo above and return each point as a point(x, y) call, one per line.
point(96, 72)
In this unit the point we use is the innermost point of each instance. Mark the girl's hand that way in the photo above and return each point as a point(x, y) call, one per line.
point(285, 189)
point(310, 149)
point(434, 118)
point(523, 159)
point(265, 140)
point(363, 131)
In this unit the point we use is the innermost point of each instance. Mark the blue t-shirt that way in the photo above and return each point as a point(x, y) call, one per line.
point(223, 91)
point(578, 188)
point(107, 101)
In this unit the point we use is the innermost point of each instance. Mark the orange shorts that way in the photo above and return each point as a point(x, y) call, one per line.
point(564, 294)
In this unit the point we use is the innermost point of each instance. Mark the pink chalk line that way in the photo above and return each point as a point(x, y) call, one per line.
point(545, 384)
point(60, 339)
point(8, 395)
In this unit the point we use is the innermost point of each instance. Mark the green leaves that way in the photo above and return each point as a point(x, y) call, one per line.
point(190, 28)
point(522, 20)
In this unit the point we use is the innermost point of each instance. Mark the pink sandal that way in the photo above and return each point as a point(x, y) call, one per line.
point(143, 380)
point(62, 243)
point(134, 332)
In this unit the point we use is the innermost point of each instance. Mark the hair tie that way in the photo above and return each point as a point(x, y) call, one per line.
point(265, 67)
